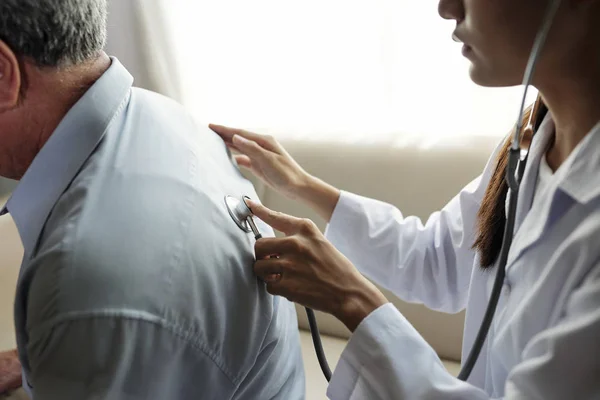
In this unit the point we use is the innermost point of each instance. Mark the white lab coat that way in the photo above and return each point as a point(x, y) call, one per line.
point(545, 340)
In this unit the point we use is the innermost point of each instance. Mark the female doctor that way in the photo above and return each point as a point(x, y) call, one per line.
point(544, 342)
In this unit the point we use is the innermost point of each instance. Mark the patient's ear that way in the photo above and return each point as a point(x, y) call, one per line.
point(10, 78)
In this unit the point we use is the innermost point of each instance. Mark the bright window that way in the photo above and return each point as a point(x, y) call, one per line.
point(351, 69)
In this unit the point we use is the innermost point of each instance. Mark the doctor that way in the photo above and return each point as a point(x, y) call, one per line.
point(544, 342)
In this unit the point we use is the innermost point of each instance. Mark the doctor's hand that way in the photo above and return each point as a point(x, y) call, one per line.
point(307, 269)
point(268, 160)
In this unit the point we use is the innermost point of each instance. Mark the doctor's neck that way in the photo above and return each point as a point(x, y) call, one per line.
point(573, 99)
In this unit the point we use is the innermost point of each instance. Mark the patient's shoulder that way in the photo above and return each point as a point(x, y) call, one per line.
point(159, 243)
point(177, 257)
point(154, 116)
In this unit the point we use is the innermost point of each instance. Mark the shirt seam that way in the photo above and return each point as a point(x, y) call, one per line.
point(109, 121)
point(184, 334)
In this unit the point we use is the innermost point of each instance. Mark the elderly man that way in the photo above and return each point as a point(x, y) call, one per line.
point(135, 282)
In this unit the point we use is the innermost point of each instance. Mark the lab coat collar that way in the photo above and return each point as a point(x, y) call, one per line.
point(578, 178)
point(582, 179)
point(65, 152)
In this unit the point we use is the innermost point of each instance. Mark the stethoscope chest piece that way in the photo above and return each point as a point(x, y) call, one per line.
point(239, 212)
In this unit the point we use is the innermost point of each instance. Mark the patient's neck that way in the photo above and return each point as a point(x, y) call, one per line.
point(50, 93)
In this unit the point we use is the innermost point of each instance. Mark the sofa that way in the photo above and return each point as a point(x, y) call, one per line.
point(417, 174)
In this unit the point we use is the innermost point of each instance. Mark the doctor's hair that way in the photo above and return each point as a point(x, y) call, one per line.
point(491, 218)
point(54, 33)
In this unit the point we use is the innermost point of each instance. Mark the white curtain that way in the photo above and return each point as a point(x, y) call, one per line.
point(353, 70)
point(140, 37)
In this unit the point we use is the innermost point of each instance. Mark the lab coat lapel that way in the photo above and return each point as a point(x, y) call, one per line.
point(582, 181)
point(579, 182)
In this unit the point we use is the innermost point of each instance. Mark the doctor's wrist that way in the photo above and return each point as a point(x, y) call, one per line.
point(318, 195)
point(359, 305)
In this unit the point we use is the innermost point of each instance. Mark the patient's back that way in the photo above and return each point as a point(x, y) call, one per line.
point(148, 290)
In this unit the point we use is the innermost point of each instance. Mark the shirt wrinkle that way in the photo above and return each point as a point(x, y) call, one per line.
point(134, 315)
point(122, 218)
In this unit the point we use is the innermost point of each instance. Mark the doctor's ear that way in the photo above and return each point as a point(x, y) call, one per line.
point(10, 78)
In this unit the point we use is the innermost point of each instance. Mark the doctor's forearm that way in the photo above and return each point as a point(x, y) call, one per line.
point(318, 195)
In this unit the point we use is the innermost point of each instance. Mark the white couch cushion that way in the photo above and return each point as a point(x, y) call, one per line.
point(11, 253)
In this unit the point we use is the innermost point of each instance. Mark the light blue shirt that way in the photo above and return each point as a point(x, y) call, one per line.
point(135, 283)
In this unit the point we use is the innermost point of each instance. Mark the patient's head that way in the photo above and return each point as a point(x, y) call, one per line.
point(499, 36)
point(50, 52)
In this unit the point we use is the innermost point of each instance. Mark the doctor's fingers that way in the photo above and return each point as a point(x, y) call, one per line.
point(282, 222)
point(281, 275)
point(269, 270)
point(243, 161)
point(252, 149)
point(238, 154)
point(276, 247)
point(265, 141)
point(290, 279)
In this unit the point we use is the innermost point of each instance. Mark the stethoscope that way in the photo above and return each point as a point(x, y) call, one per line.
point(517, 160)
point(242, 216)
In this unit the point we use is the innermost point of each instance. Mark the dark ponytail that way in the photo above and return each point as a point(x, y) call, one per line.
point(491, 218)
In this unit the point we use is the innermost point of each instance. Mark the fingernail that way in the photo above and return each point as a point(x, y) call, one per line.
point(240, 139)
point(252, 205)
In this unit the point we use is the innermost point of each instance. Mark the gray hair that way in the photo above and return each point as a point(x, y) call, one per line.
point(54, 32)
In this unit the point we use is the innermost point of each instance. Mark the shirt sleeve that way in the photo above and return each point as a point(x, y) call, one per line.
point(387, 359)
point(421, 262)
point(107, 357)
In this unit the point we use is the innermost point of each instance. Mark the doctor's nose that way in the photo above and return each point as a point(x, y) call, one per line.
point(452, 9)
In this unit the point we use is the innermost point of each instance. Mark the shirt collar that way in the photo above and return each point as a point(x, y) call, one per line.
point(65, 152)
